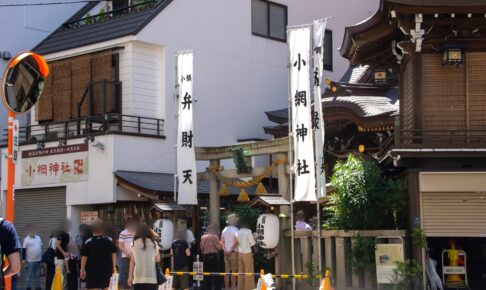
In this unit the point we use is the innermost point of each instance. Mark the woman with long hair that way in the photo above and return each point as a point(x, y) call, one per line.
point(145, 254)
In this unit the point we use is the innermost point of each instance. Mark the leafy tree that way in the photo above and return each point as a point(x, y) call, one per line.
point(363, 199)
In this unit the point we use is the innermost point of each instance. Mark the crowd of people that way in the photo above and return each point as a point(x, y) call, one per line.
point(89, 259)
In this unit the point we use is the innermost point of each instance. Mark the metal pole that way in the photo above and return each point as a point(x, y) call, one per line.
point(291, 190)
point(11, 170)
point(10, 209)
point(176, 121)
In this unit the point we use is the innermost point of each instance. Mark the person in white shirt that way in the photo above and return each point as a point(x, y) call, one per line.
point(228, 239)
point(32, 259)
point(245, 242)
point(124, 244)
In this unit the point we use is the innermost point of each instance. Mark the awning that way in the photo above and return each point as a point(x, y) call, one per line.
point(168, 207)
point(269, 200)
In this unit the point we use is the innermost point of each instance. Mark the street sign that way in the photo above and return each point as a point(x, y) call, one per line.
point(15, 140)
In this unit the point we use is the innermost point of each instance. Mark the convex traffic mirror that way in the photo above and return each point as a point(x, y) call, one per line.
point(23, 81)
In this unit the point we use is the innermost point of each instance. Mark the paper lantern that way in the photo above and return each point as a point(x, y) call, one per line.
point(268, 231)
point(165, 229)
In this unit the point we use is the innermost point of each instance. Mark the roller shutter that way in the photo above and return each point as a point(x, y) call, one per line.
point(454, 214)
point(44, 208)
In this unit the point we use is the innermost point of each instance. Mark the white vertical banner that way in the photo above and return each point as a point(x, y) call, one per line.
point(318, 117)
point(299, 39)
point(186, 156)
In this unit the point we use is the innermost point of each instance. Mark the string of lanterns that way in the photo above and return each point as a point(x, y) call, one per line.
point(243, 185)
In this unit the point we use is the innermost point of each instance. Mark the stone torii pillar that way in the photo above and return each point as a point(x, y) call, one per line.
point(214, 202)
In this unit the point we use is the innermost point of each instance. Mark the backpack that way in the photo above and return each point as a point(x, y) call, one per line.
point(49, 255)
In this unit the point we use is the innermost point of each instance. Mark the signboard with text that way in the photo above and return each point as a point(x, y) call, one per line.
point(386, 257)
point(55, 165)
point(89, 217)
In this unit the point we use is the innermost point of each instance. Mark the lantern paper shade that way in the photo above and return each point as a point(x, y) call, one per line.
point(165, 229)
point(268, 231)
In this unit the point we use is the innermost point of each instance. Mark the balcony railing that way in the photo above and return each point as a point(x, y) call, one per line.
point(90, 126)
point(441, 139)
point(106, 16)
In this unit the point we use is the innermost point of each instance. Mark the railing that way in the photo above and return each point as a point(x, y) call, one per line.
point(105, 16)
point(90, 126)
point(441, 138)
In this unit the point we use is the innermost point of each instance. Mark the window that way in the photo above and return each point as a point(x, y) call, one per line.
point(269, 20)
point(328, 50)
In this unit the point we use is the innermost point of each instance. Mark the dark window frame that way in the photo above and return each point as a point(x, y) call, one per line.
point(268, 21)
point(328, 63)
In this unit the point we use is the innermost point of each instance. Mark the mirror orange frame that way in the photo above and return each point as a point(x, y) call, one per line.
point(40, 61)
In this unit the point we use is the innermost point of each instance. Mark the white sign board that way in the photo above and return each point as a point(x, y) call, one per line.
point(198, 268)
point(55, 165)
point(386, 256)
point(304, 165)
point(15, 140)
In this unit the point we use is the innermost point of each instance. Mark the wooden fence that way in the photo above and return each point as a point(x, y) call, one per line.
point(336, 255)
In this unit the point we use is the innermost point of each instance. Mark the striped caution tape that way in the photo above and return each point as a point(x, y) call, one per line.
point(281, 276)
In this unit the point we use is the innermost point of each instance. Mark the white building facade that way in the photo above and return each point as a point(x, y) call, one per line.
point(240, 71)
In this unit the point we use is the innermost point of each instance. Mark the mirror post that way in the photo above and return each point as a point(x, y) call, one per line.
point(10, 170)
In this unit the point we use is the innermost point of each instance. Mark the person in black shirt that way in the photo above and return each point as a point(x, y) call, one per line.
point(98, 259)
point(10, 248)
point(62, 252)
point(181, 252)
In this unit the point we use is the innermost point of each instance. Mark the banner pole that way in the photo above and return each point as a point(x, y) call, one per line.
point(176, 125)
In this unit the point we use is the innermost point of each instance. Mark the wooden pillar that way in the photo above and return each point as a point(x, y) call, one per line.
point(214, 202)
point(340, 264)
point(330, 255)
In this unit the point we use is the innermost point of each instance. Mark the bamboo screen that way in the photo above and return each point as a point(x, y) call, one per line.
point(443, 94)
point(67, 83)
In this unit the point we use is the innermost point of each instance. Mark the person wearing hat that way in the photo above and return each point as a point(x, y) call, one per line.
point(228, 239)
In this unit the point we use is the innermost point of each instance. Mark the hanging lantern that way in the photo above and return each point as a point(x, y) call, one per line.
point(165, 229)
point(223, 192)
point(268, 230)
point(453, 53)
point(260, 189)
point(380, 76)
point(243, 197)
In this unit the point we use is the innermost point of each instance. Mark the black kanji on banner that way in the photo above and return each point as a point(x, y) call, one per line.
point(299, 62)
point(302, 167)
point(187, 139)
point(300, 98)
point(186, 103)
point(301, 132)
point(187, 174)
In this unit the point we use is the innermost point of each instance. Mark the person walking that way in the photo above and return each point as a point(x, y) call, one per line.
point(228, 239)
point(210, 245)
point(144, 256)
point(62, 252)
point(85, 233)
point(10, 249)
point(32, 246)
point(124, 244)
point(180, 252)
point(98, 259)
point(245, 242)
point(50, 255)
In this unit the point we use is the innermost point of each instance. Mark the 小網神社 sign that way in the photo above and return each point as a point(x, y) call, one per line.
point(55, 165)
